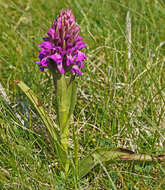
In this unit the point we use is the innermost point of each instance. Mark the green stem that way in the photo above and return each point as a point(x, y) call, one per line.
point(66, 98)
point(64, 141)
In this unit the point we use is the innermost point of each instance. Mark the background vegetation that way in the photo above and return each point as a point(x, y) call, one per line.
point(121, 102)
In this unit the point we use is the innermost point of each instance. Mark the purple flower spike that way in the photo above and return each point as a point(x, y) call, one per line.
point(61, 48)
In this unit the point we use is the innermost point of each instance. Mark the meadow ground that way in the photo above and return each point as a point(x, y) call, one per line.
point(121, 94)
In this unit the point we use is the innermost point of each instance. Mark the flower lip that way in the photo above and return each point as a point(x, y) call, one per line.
point(62, 45)
point(56, 57)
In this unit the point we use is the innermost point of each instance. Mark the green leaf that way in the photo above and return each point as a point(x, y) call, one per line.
point(108, 154)
point(45, 118)
point(66, 99)
point(62, 102)
point(73, 89)
point(98, 155)
point(36, 102)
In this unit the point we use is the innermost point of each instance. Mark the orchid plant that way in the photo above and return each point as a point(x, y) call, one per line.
point(61, 53)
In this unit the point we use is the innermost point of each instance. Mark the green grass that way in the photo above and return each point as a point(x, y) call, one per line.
point(120, 103)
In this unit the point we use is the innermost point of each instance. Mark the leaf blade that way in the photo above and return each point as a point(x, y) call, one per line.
point(45, 118)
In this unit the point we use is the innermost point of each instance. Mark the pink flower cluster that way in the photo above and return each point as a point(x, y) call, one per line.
point(60, 50)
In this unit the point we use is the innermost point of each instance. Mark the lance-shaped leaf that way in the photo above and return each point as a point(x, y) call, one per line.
point(62, 102)
point(45, 118)
point(109, 154)
point(66, 99)
point(73, 97)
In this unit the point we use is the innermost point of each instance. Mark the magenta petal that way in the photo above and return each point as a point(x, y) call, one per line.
point(78, 47)
point(56, 57)
point(55, 22)
point(60, 68)
point(69, 45)
point(67, 36)
point(44, 62)
point(81, 66)
point(77, 28)
point(58, 49)
point(78, 38)
point(45, 45)
point(76, 70)
point(51, 33)
point(80, 56)
point(41, 56)
point(69, 60)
